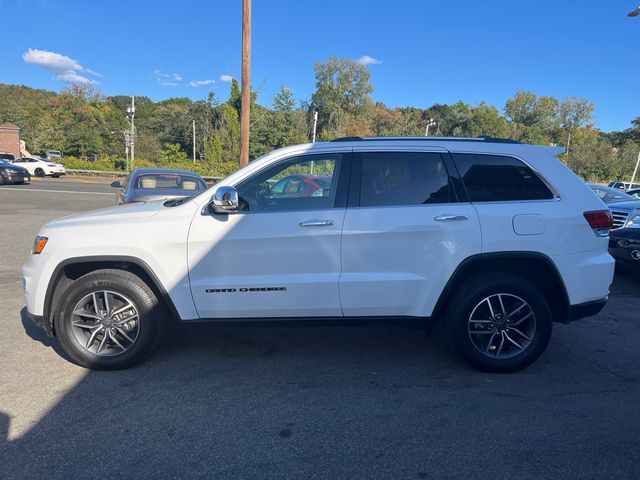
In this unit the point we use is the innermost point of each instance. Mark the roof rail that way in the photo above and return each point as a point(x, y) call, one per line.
point(429, 139)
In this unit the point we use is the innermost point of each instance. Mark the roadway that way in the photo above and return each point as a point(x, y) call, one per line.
point(314, 402)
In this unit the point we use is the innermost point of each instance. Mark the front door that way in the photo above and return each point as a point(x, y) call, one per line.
point(279, 256)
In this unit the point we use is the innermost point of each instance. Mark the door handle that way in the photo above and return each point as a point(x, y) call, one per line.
point(316, 223)
point(451, 218)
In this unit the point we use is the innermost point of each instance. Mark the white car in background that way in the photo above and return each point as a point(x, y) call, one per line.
point(41, 167)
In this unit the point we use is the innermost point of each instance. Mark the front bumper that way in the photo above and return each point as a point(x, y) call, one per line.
point(38, 320)
point(16, 177)
point(624, 246)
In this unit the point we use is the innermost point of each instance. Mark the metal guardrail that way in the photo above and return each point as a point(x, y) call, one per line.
point(123, 174)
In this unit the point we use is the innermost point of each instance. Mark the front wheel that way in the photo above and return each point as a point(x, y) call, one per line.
point(108, 320)
point(39, 172)
point(499, 322)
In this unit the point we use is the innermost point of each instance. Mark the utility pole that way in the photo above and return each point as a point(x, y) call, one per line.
point(634, 13)
point(194, 140)
point(132, 114)
point(430, 123)
point(127, 143)
point(246, 82)
point(315, 125)
point(635, 171)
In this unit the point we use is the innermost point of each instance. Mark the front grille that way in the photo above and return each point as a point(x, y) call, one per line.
point(619, 219)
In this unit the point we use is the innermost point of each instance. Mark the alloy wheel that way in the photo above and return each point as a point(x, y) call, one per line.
point(105, 323)
point(502, 326)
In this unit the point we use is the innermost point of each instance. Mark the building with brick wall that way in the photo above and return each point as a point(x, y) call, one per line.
point(10, 138)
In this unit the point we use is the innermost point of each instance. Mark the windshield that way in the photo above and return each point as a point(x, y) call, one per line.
point(169, 181)
point(611, 195)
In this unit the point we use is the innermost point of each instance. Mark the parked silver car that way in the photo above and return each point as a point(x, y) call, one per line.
point(153, 184)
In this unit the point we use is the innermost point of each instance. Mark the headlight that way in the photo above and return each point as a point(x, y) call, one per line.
point(39, 244)
point(634, 220)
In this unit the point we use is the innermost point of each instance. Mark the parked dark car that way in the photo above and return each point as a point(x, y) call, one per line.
point(621, 185)
point(154, 184)
point(624, 246)
point(11, 174)
point(624, 238)
point(635, 192)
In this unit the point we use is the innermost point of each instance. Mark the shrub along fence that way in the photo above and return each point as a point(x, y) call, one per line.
point(114, 166)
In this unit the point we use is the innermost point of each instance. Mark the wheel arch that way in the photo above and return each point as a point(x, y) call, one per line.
point(534, 266)
point(73, 268)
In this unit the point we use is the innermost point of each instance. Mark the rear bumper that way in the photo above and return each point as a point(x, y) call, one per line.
point(587, 309)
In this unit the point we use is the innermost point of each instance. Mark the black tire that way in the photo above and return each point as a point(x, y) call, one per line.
point(471, 295)
point(1, 180)
point(39, 172)
point(151, 318)
point(56, 175)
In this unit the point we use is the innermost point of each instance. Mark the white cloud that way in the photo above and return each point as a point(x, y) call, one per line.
point(167, 79)
point(73, 77)
point(226, 78)
point(201, 83)
point(367, 60)
point(66, 69)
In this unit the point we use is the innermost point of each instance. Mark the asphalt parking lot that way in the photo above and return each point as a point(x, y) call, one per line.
point(313, 402)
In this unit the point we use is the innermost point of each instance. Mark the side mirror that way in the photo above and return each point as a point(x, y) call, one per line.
point(116, 184)
point(225, 200)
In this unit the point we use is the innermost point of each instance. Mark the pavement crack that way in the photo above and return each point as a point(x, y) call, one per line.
point(593, 363)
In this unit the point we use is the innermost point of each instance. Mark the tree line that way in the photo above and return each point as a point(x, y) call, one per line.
point(82, 122)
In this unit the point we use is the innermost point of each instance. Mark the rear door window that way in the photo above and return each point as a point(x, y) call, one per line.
point(498, 178)
point(403, 178)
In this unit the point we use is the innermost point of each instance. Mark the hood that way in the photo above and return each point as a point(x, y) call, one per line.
point(17, 168)
point(626, 206)
point(122, 214)
point(158, 195)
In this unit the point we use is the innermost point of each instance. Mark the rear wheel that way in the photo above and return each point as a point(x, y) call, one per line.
point(108, 320)
point(56, 175)
point(39, 172)
point(499, 322)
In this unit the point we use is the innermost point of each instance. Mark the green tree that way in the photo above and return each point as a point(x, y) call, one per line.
point(575, 113)
point(342, 95)
point(284, 101)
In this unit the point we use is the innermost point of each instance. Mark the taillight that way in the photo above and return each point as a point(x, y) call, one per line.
point(601, 221)
point(51, 165)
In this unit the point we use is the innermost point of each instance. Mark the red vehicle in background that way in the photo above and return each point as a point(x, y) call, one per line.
point(302, 186)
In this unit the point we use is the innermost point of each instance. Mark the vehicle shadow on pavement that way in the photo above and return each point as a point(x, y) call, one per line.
point(221, 401)
point(38, 334)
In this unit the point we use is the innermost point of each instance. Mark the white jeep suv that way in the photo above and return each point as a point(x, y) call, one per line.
point(494, 238)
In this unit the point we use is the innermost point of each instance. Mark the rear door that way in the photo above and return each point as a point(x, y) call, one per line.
point(405, 231)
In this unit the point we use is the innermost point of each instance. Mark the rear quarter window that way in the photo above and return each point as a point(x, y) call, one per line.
point(498, 178)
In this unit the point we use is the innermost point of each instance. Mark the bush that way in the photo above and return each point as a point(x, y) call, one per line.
point(115, 164)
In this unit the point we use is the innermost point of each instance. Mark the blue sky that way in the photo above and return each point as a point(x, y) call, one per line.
point(428, 51)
